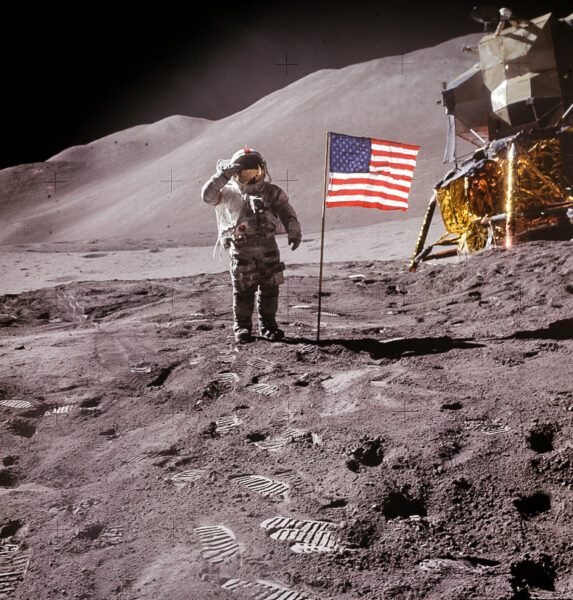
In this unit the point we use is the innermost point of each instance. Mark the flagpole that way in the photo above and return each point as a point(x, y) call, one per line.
point(322, 235)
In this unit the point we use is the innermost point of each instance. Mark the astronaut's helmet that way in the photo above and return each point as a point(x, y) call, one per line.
point(252, 166)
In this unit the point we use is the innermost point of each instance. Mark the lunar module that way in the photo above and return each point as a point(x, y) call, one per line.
point(516, 106)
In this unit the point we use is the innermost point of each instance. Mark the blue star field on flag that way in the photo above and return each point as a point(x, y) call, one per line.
point(349, 154)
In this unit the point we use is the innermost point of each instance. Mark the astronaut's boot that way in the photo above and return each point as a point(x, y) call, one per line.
point(267, 304)
point(243, 305)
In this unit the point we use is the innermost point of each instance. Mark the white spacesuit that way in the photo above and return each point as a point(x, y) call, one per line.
point(250, 212)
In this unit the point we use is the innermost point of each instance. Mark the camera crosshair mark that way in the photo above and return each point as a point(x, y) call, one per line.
point(286, 65)
point(171, 181)
point(287, 180)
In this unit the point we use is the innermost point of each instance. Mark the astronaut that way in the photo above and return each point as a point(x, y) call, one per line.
point(250, 211)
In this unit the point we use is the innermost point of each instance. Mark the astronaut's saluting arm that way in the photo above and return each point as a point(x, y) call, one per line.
point(211, 189)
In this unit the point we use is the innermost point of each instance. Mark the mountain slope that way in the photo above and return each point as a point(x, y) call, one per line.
point(145, 181)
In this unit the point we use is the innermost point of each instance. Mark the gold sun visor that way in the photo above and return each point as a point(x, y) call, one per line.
point(250, 175)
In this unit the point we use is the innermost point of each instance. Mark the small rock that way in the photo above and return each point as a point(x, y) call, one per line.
point(6, 319)
point(303, 380)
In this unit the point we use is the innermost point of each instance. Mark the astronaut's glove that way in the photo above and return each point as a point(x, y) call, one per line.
point(226, 168)
point(294, 234)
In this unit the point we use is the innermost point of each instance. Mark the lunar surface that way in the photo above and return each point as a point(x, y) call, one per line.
point(421, 448)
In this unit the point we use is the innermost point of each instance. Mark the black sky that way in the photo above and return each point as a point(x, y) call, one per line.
point(71, 75)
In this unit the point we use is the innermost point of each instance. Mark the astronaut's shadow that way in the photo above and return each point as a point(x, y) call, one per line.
point(394, 348)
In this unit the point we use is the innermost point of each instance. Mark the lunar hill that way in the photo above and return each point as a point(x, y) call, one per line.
point(144, 182)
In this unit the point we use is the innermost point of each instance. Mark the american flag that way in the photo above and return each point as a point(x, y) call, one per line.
point(369, 172)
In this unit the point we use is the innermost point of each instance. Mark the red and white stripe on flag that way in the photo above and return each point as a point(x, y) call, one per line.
point(370, 172)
